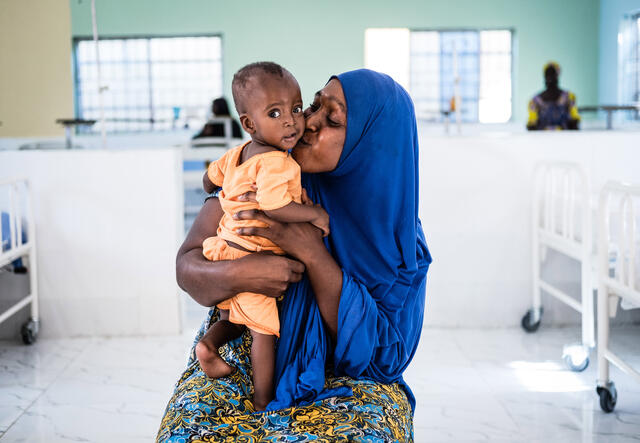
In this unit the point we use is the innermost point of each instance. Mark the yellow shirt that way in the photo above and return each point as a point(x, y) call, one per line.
point(274, 173)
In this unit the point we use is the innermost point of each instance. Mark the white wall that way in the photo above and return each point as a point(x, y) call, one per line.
point(108, 225)
point(475, 206)
point(105, 270)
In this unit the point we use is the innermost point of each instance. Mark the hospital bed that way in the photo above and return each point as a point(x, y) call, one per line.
point(18, 244)
point(620, 285)
point(562, 221)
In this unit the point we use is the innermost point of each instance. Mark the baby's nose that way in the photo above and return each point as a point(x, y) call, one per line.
point(288, 119)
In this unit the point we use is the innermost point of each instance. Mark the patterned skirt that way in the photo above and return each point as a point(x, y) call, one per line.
point(206, 410)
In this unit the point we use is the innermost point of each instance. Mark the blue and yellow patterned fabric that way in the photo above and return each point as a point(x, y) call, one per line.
point(207, 410)
point(553, 115)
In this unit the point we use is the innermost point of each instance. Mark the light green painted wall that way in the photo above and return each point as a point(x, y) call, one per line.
point(317, 39)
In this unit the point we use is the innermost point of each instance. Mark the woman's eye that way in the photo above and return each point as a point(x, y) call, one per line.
point(314, 106)
point(297, 109)
point(274, 114)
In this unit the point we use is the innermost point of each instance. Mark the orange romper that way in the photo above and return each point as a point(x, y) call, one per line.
point(277, 177)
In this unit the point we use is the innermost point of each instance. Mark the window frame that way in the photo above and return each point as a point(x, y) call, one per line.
point(512, 32)
point(635, 17)
point(76, 85)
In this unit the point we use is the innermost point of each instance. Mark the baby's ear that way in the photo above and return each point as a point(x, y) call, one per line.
point(247, 124)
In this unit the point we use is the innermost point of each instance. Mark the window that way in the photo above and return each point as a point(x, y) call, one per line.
point(629, 42)
point(151, 83)
point(482, 60)
point(387, 50)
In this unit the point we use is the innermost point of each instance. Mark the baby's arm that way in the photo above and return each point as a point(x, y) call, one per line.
point(298, 213)
point(208, 185)
point(214, 175)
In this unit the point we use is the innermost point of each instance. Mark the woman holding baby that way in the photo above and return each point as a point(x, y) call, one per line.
point(353, 304)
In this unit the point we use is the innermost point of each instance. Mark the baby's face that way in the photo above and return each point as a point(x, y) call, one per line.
point(275, 106)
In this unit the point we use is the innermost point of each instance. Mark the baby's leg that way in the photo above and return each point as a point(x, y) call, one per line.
point(263, 357)
point(218, 334)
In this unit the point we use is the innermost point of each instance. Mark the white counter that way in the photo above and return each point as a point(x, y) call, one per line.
point(108, 226)
point(475, 206)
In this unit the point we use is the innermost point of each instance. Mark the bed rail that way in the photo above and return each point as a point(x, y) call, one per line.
point(617, 285)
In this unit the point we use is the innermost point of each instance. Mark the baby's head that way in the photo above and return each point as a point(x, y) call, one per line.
point(269, 103)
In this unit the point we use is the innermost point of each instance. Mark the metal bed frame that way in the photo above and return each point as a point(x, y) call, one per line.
point(617, 285)
point(560, 224)
point(17, 248)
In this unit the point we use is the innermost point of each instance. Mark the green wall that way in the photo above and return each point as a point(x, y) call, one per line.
point(317, 39)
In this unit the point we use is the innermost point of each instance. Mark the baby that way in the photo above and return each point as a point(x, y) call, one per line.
point(268, 101)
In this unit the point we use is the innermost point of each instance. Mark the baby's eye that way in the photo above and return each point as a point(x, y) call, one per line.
point(297, 109)
point(274, 114)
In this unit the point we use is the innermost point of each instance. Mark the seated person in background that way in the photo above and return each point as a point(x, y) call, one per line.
point(219, 108)
point(553, 108)
point(269, 103)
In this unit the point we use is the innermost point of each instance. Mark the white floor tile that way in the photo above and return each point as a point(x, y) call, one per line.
point(499, 385)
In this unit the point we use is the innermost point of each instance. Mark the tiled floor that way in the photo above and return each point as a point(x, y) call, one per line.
point(472, 385)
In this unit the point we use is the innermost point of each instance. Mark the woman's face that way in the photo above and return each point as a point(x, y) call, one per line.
point(320, 147)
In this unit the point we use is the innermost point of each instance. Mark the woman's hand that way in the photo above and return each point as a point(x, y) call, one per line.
point(266, 273)
point(296, 239)
point(250, 196)
point(300, 240)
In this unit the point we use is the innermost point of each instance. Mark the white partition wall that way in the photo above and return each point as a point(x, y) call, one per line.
point(108, 224)
point(475, 206)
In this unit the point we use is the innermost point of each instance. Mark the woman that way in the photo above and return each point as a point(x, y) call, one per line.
point(358, 312)
point(553, 108)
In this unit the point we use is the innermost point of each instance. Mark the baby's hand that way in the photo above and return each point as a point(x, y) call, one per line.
point(305, 198)
point(322, 221)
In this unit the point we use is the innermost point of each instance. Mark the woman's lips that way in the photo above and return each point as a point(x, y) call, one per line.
point(303, 141)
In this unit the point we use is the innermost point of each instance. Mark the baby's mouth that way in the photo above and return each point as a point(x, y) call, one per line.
point(290, 137)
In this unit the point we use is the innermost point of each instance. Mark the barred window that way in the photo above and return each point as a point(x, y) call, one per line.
point(483, 59)
point(150, 83)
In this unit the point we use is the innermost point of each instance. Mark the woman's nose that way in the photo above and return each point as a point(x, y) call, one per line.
point(311, 123)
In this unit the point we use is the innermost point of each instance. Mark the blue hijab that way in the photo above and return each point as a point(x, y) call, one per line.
point(377, 240)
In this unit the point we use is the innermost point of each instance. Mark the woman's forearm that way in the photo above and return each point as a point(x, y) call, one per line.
point(207, 282)
point(326, 279)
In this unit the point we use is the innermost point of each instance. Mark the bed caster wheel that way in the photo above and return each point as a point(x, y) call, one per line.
point(527, 321)
point(29, 332)
point(576, 357)
point(608, 397)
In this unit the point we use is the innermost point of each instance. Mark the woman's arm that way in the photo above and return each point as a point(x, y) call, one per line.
point(376, 340)
point(209, 282)
point(304, 242)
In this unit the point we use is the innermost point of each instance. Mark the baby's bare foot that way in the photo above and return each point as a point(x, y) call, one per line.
point(210, 361)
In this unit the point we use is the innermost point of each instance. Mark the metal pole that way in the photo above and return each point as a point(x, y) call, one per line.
point(101, 89)
point(456, 86)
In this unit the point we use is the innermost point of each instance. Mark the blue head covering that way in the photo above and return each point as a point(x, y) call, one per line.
point(376, 238)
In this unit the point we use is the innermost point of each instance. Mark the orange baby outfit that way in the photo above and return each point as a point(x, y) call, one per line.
point(277, 177)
